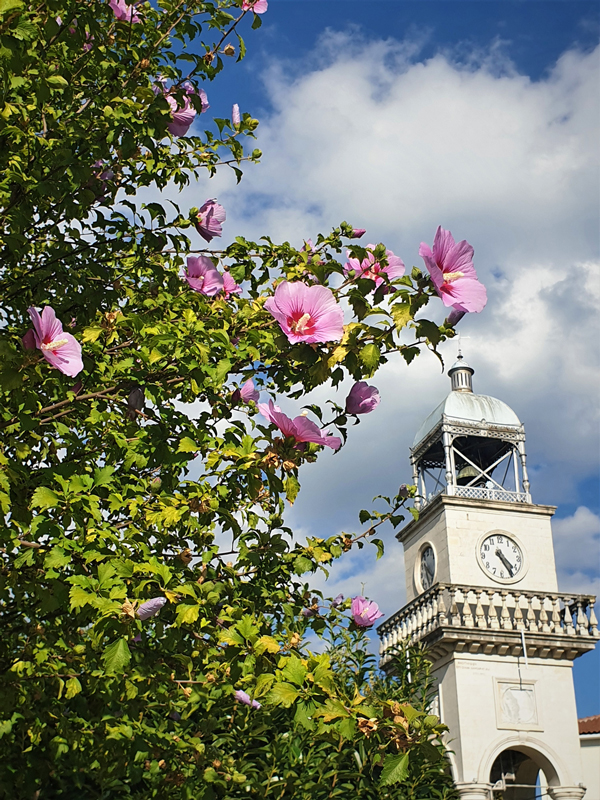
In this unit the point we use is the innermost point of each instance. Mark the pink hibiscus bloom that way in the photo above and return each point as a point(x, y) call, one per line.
point(300, 428)
point(362, 398)
point(60, 349)
point(249, 392)
point(230, 286)
point(364, 612)
point(372, 269)
point(209, 219)
point(452, 272)
point(123, 11)
point(258, 6)
point(182, 117)
point(306, 313)
point(203, 276)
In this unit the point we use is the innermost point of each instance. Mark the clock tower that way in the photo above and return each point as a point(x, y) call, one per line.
point(482, 596)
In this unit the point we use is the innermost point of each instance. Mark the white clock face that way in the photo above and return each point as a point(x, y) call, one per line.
point(427, 572)
point(501, 556)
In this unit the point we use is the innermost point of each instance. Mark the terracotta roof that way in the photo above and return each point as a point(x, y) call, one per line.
point(589, 724)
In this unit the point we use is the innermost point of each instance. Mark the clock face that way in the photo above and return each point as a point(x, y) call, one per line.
point(500, 556)
point(427, 572)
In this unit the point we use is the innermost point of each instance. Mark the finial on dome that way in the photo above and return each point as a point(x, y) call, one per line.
point(461, 375)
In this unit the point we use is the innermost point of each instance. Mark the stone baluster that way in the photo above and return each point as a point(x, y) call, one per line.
point(582, 620)
point(468, 620)
point(442, 618)
point(454, 612)
point(505, 614)
point(531, 623)
point(519, 624)
point(403, 632)
point(545, 627)
point(556, 627)
point(568, 617)
point(429, 613)
point(418, 620)
point(593, 620)
point(492, 614)
point(479, 615)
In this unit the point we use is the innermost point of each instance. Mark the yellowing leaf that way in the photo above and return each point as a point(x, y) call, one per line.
point(91, 334)
point(44, 498)
point(267, 643)
point(187, 445)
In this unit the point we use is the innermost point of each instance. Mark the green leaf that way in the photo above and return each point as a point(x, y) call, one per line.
point(263, 684)
point(57, 558)
point(364, 516)
point(256, 22)
point(292, 487)
point(10, 5)
point(73, 688)
point(369, 355)
point(282, 694)
point(103, 475)
point(395, 769)
point(44, 498)
point(186, 613)
point(294, 670)
point(116, 656)
point(57, 80)
point(268, 644)
point(401, 315)
point(187, 445)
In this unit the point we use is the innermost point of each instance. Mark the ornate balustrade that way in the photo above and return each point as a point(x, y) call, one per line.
point(451, 617)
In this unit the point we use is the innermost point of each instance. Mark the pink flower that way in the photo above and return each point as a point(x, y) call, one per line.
point(306, 313)
point(203, 276)
point(258, 6)
point(230, 286)
point(364, 612)
point(210, 217)
point(358, 232)
point(362, 398)
point(370, 268)
point(151, 607)
point(300, 428)
point(123, 11)
point(244, 698)
point(235, 115)
point(184, 116)
point(88, 42)
point(60, 349)
point(452, 272)
point(249, 392)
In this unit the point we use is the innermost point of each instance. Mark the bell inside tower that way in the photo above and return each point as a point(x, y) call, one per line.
point(471, 446)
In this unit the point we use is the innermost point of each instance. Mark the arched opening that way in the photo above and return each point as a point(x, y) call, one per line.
point(516, 774)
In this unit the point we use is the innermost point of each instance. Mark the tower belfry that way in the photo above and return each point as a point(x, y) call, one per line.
point(482, 595)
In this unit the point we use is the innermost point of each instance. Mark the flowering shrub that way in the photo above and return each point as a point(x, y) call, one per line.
point(131, 635)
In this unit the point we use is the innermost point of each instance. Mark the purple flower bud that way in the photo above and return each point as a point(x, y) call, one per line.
point(358, 232)
point(403, 491)
point(235, 115)
point(29, 342)
point(151, 607)
point(337, 601)
point(135, 402)
point(455, 316)
point(244, 698)
point(309, 612)
point(362, 398)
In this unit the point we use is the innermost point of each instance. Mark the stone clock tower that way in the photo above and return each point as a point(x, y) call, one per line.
point(482, 596)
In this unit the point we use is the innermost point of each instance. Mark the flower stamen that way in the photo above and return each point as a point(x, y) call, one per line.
point(54, 345)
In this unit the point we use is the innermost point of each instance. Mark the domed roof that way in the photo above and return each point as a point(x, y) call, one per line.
point(470, 407)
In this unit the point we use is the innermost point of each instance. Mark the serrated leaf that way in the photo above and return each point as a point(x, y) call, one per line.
point(369, 355)
point(73, 688)
point(395, 769)
point(116, 656)
point(401, 315)
point(186, 613)
point(10, 5)
point(268, 644)
point(294, 670)
point(57, 558)
point(44, 498)
point(263, 684)
point(187, 445)
point(91, 334)
point(282, 694)
point(292, 487)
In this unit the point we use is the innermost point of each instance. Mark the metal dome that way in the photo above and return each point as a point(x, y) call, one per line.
point(471, 407)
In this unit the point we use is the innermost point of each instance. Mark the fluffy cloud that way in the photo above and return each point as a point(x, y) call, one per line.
point(577, 547)
point(368, 132)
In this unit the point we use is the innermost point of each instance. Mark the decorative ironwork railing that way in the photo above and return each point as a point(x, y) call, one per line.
point(478, 493)
point(454, 607)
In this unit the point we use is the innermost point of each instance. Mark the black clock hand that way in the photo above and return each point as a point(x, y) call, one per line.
point(505, 561)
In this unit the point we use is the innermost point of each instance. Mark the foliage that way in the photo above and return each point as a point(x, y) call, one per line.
point(123, 485)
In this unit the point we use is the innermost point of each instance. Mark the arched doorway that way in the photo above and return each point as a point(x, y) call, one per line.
point(515, 771)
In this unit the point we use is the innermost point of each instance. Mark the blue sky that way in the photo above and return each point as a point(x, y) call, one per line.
point(480, 116)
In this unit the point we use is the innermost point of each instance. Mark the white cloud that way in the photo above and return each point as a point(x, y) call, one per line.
point(364, 131)
point(577, 550)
